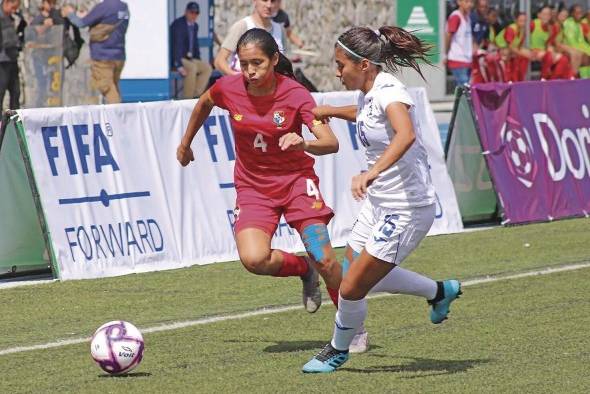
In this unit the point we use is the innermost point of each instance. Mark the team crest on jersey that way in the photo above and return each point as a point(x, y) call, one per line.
point(238, 117)
point(278, 118)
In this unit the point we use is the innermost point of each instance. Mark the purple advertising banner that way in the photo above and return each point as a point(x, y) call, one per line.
point(536, 141)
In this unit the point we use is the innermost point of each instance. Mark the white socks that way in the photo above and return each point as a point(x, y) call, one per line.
point(402, 281)
point(350, 316)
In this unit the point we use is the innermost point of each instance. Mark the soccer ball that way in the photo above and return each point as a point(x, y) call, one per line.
point(117, 347)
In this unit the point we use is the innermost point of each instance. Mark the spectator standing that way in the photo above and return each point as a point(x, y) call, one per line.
point(480, 27)
point(282, 18)
point(9, 48)
point(108, 22)
point(186, 55)
point(226, 60)
point(481, 32)
point(459, 42)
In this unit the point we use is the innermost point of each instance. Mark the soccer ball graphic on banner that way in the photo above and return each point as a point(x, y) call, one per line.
point(117, 347)
point(519, 155)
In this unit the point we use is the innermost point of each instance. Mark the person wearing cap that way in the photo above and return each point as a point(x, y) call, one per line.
point(108, 22)
point(186, 57)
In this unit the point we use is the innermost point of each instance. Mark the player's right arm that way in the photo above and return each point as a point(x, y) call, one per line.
point(324, 112)
point(184, 153)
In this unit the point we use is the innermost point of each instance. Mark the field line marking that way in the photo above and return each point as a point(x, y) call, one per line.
point(280, 309)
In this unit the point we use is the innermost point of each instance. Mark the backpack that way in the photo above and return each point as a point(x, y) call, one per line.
point(71, 47)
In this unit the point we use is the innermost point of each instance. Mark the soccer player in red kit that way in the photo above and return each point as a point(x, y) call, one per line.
point(273, 174)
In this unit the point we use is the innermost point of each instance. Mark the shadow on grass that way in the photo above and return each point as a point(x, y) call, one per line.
point(127, 375)
point(296, 346)
point(292, 346)
point(431, 367)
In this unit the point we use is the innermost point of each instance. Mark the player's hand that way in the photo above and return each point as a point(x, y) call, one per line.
point(48, 22)
point(322, 112)
point(292, 141)
point(360, 184)
point(184, 155)
point(182, 71)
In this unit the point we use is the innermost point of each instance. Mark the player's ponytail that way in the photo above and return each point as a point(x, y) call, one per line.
point(388, 47)
point(266, 42)
point(403, 49)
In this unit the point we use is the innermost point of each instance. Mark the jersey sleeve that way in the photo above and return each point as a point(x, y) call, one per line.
point(393, 94)
point(307, 105)
point(453, 24)
point(287, 21)
point(216, 93)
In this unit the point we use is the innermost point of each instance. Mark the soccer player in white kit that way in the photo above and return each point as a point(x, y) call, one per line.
point(398, 207)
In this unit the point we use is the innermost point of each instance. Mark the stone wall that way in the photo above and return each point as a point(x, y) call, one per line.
point(318, 23)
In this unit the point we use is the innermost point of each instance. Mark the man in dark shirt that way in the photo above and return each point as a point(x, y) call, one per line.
point(186, 56)
point(9, 78)
point(480, 28)
point(281, 17)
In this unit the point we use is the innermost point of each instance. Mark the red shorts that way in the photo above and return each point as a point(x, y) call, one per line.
point(302, 203)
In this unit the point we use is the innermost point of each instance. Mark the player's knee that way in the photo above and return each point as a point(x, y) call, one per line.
point(256, 264)
point(350, 291)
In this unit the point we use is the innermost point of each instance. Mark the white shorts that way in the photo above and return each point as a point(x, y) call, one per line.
point(390, 234)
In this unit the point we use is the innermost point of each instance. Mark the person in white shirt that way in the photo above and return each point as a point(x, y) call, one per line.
point(226, 60)
point(399, 200)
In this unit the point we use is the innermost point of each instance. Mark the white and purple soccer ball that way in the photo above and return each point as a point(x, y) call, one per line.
point(117, 347)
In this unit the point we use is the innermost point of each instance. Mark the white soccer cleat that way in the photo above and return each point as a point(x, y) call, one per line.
point(360, 342)
point(312, 295)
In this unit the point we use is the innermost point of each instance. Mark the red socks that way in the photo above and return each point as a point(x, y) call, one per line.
point(334, 296)
point(292, 265)
point(298, 266)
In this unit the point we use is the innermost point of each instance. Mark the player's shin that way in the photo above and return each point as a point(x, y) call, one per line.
point(402, 281)
point(316, 239)
point(350, 316)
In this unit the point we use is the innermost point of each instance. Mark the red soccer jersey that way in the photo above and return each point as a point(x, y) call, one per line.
point(257, 123)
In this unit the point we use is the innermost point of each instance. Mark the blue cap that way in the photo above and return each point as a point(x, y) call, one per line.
point(193, 6)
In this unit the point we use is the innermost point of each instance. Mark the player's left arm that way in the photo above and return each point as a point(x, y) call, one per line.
point(325, 142)
point(400, 120)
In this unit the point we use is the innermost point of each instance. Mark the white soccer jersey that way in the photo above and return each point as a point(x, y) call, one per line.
point(407, 182)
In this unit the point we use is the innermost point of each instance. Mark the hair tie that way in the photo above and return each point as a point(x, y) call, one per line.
point(378, 33)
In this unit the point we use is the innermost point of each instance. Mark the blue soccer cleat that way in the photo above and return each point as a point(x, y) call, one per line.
point(440, 309)
point(328, 360)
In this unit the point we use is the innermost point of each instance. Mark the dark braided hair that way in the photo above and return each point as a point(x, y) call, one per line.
point(266, 42)
point(390, 47)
